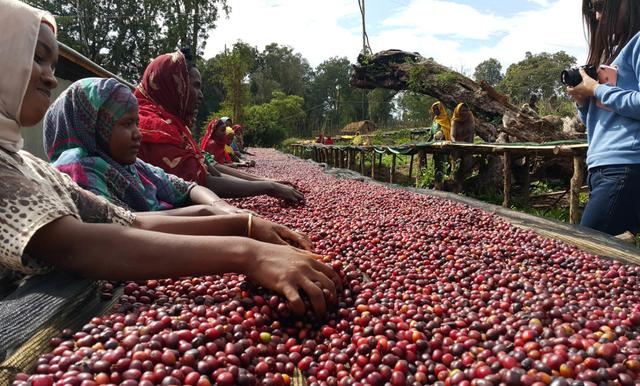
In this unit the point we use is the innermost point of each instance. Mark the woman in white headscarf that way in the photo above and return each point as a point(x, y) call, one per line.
point(47, 221)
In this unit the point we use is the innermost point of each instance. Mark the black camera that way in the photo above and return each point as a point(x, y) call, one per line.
point(571, 77)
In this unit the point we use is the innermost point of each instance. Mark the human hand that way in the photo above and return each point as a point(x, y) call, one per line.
point(287, 270)
point(286, 192)
point(585, 90)
point(269, 232)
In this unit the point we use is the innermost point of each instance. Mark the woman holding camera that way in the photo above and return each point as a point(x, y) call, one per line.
point(611, 113)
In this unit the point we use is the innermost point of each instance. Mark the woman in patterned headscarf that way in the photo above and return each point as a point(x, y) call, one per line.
point(91, 134)
point(441, 122)
point(47, 221)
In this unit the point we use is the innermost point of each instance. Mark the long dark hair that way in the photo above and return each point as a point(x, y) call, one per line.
point(605, 43)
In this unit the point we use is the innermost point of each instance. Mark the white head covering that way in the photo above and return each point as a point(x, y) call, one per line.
point(19, 28)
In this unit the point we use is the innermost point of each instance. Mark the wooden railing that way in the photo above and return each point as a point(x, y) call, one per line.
point(353, 157)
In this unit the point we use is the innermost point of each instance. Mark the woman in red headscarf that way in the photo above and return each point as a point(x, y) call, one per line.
point(167, 107)
point(214, 141)
point(168, 96)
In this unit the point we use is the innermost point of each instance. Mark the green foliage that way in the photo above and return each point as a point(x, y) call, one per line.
point(290, 141)
point(212, 89)
point(270, 123)
point(124, 35)
point(490, 71)
point(539, 73)
point(234, 66)
point(278, 68)
point(416, 73)
point(331, 102)
point(380, 106)
point(414, 109)
point(561, 106)
point(447, 79)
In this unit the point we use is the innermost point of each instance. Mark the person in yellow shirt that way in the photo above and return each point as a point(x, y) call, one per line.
point(440, 130)
point(441, 122)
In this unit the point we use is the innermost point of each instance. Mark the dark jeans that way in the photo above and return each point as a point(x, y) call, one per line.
point(614, 199)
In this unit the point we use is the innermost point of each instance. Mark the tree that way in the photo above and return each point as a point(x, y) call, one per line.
point(380, 106)
point(212, 89)
point(278, 68)
point(537, 73)
point(235, 66)
point(414, 108)
point(123, 35)
point(490, 71)
point(330, 101)
point(268, 124)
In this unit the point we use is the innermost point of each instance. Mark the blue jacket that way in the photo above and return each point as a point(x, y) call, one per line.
point(614, 135)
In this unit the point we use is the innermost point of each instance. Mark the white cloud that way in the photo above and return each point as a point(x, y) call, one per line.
point(542, 3)
point(472, 36)
point(310, 27)
point(456, 35)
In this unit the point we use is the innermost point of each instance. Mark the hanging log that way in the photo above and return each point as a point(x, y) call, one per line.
point(401, 70)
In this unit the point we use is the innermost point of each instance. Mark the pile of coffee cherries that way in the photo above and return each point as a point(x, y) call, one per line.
point(434, 293)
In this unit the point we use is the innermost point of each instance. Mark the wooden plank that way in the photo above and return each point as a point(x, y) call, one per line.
point(506, 179)
point(362, 170)
point(576, 184)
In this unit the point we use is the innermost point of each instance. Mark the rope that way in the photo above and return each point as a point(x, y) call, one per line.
point(366, 47)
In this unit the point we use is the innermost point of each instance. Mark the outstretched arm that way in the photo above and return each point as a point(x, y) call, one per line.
point(108, 251)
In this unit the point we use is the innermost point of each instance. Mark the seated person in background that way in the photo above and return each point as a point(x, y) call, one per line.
point(320, 139)
point(49, 222)
point(91, 133)
point(441, 127)
point(440, 130)
point(216, 141)
point(463, 124)
point(328, 140)
point(168, 96)
point(229, 134)
point(463, 127)
point(239, 140)
point(233, 152)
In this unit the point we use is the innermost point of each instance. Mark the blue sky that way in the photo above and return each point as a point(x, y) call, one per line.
point(457, 33)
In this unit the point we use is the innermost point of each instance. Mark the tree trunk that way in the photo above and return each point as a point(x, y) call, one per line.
point(401, 70)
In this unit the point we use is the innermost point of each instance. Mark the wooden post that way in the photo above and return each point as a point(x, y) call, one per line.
point(362, 171)
point(527, 181)
point(410, 166)
point(420, 166)
point(373, 164)
point(392, 173)
point(576, 184)
point(506, 170)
